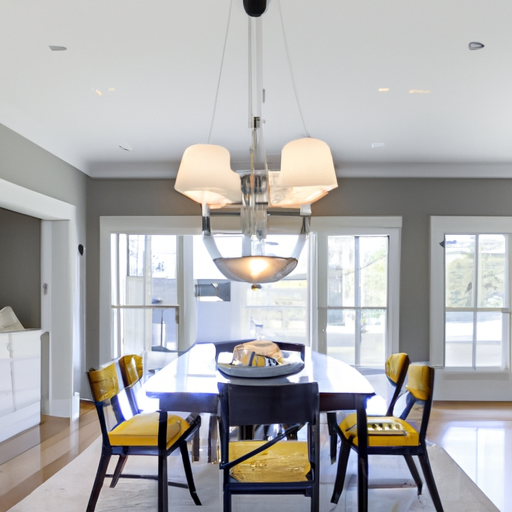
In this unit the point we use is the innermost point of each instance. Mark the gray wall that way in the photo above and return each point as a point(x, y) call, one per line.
point(413, 199)
point(28, 165)
point(20, 266)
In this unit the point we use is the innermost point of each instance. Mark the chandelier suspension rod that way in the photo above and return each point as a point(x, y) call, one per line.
point(292, 76)
point(220, 72)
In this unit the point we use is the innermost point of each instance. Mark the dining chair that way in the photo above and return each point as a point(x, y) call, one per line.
point(125, 433)
point(396, 370)
point(391, 435)
point(279, 465)
point(132, 372)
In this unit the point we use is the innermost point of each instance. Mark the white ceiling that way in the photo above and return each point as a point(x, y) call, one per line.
point(156, 64)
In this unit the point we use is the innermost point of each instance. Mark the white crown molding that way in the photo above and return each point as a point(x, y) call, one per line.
point(168, 170)
point(424, 170)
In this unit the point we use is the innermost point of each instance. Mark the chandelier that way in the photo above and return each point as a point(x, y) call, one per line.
point(306, 174)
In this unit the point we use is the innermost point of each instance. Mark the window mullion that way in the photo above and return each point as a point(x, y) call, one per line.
point(476, 278)
point(357, 300)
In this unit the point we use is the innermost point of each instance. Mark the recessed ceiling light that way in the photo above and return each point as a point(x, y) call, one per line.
point(419, 91)
point(125, 146)
point(384, 89)
point(475, 45)
point(57, 48)
point(377, 145)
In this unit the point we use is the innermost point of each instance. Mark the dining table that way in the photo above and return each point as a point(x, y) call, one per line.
point(190, 384)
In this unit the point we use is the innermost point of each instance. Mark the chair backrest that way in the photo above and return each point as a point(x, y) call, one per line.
point(420, 389)
point(131, 367)
point(396, 371)
point(112, 403)
point(282, 404)
point(252, 405)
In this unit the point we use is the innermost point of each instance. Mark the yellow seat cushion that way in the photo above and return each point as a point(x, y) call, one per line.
point(286, 461)
point(142, 430)
point(382, 431)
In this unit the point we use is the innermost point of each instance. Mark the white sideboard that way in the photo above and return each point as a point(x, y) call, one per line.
point(20, 381)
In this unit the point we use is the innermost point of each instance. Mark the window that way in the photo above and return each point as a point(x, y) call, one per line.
point(276, 311)
point(358, 288)
point(159, 288)
point(144, 292)
point(357, 299)
point(476, 329)
point(470, 290)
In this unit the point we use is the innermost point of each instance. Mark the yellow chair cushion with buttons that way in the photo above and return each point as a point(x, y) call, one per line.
point(142, 430)
point(285, 461)
point(382, 431)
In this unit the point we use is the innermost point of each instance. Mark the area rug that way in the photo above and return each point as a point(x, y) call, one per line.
point(391, 488)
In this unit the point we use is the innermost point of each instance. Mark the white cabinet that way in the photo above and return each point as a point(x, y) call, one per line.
point(20, 381)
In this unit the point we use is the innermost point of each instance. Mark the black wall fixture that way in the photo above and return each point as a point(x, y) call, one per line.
point(255, 8)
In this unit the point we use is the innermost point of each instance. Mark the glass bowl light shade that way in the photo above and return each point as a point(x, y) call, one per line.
point(256, 269)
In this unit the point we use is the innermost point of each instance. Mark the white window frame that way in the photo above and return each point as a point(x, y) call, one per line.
point(354, 226)
point(461, 383)
point(186, 225)
point(191, 225)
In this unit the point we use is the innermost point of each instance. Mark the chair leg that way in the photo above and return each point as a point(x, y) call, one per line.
point(414, 472)
point(315, 495)
point(333, 437)
point(188, 473)
point(121, 463)
point(341, 471)
point(227, 501)
point(162, 484)
point(98, 481)
point(429, 478)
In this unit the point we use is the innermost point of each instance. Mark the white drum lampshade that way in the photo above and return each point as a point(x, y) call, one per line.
point(205, 176)
point(307, 174)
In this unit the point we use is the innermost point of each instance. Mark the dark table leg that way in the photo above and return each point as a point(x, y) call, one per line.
point(195, 446)
point(362, 450)
point(213, 439)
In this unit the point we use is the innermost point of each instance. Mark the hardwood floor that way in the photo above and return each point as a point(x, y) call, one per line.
point(478, 435)
point(32, 457)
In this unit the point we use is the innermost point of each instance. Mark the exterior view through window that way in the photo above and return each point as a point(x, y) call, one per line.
point(158, 280)
point(357, 299)
point(228, 310)
point(476, 295)
point(144, 292)
point(146, 310)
